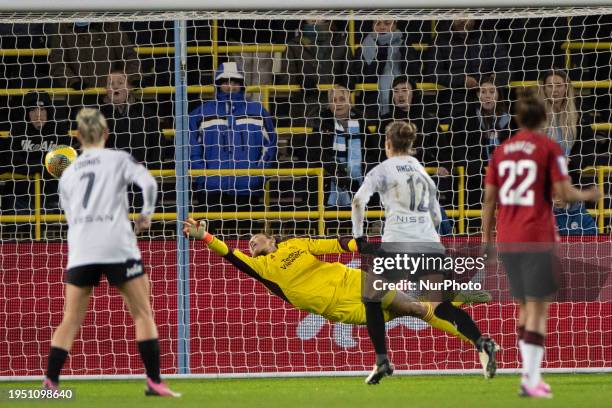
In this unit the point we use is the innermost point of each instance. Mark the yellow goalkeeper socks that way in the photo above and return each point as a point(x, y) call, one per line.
point(441, 324)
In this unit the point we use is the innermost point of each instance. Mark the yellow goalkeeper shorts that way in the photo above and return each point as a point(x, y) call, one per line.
point(349, 307)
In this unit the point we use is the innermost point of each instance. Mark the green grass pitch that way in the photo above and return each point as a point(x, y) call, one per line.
point(570, 390)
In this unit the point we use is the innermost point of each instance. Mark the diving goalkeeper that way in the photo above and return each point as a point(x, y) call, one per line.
point(292, 271)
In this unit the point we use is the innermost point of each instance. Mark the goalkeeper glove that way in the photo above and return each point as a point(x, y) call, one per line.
point(195, 229)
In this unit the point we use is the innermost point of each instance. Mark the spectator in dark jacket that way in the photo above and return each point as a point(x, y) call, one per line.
point(83, 54)
point(432, 146)
point(133, 126)
point(462, 55)
point(340, 147)
point(230, 132)
point(31, 139)
point(318, 55)
point(382, 57)
point(476, 133)
point(407, 105)
point(574, 219)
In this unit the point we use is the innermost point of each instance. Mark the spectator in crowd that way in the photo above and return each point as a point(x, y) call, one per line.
point(562, 118)
point(318, 55)
point(407, 105)
point(431, 146)
point(84, 53)
point(31, 138)
point(574, 219)
point(382, 57)
point(485, 124)
point(133, 126)
point(340, 147)
point(23, 71)
point(230, 132)
point(565, 123)
point(461, 56)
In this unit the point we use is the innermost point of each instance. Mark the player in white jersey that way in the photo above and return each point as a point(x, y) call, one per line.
point(412, 216)
point(93, 195)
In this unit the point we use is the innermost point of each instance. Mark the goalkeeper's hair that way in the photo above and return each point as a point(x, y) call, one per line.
point(530, 110)
point(401, 136)
point(91, 124)
point(276, 239)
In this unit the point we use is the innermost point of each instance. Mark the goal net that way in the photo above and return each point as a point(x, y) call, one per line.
point(269, 123)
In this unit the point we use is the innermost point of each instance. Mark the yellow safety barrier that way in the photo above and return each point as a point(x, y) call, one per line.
point(576, 84)
point(210, 89)
point(587, 45)
point(601, 126)
point(579, 45)
point(215, 44)
point(196, 50)
point(12, 176)
point(460, 212)
point(318, 172)
point(320, 214)
point(601, 212)
point(298, 130)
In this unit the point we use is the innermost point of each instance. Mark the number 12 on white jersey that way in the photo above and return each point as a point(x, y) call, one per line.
point(521, 194)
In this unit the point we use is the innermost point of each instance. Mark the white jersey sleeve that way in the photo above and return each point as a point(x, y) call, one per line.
point(135, 173)
point(363, 195)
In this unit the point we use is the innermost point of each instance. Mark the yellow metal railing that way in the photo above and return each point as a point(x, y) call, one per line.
point(320, 214)
point(460, 213)
point(601, 212)
point(580, 45)
point(265, 90)
point(298, 130)
point(194, 50)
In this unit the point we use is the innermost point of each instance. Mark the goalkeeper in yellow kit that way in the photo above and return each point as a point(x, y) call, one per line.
point(292, 271)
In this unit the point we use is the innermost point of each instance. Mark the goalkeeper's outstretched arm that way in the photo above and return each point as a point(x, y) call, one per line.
point(251, 266)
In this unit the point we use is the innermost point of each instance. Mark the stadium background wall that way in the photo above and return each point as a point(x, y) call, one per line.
point(237, 327)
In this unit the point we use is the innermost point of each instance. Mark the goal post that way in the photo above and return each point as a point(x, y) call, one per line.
point(215, 322)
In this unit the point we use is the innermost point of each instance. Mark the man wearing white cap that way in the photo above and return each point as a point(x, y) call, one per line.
point(230, 132)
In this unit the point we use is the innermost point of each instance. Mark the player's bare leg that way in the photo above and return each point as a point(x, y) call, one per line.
point(76, 300)
point(532, 348)
point(135, 293)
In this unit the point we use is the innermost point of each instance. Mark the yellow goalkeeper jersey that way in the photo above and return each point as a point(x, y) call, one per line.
point(294, 272)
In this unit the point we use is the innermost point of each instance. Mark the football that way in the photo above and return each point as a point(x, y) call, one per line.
point(58, 159)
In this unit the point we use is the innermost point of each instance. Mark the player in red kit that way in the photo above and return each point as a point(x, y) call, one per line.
point(523, 175)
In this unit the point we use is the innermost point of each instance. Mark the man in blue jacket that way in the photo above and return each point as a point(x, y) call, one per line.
point(230, 132)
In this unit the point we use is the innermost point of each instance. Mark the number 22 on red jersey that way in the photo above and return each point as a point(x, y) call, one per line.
point(524, 168)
